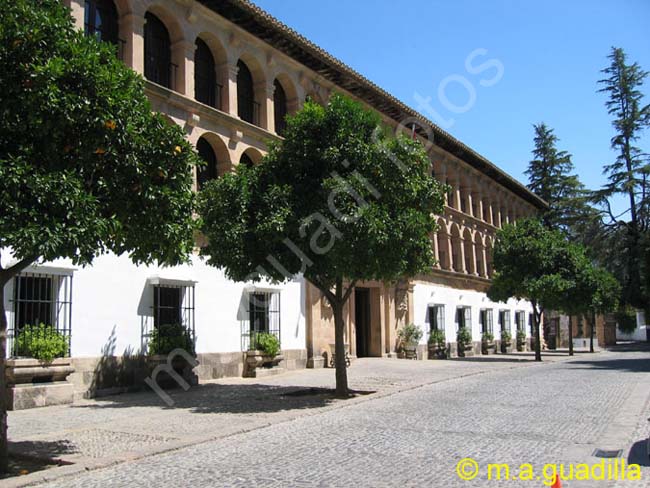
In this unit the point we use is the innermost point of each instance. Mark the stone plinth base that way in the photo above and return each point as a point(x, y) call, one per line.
point(32, 395)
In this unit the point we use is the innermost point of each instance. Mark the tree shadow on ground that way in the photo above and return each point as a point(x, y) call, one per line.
point(632, 365)
point(640, 453)
point(41, 450)
point(224, 398)
point(512, 357)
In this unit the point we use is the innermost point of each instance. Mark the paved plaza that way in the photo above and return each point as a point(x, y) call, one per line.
point(423, 418)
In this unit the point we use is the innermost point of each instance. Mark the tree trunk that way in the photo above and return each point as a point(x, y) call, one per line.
point(570, 335)
point(342, 390)
point(538, 342)
point(591, 335)
point(5, 276)
point(3, 383)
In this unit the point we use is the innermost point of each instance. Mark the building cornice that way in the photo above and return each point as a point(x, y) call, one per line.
point(264, 26)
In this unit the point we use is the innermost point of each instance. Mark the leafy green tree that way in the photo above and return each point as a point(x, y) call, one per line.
point(605, 296)
point(594, 290)
point(535, 263)
point(628, 175)
point(338, 201)
point(85, 166)
point(551, 178)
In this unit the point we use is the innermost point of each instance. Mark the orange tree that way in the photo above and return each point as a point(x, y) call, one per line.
point(539, 265)
point(85, 166)
point(337, 200)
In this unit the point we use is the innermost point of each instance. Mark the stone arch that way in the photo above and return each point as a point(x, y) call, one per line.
point(223, 160)
point(250, 156)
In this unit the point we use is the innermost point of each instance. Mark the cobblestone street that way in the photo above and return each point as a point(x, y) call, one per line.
point(424, 418)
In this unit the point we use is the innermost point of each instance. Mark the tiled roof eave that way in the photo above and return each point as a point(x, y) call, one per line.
point(266, 27)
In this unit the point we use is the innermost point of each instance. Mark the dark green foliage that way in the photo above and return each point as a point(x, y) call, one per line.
point(626, 319)
point(437, 338)
point(506, 336)
point(409, 334)
point(463, 337)
point(41, 342)
point(165, 338)
point(534, 262)
point(487, 337)
point(628, 175)
point(337, 200)
point(267, 343)
point(301, 192)
point(550, 177)
point(85, 166)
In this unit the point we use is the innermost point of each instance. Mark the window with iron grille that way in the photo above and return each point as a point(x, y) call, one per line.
point(205, 76)
point(247, 108)
point(463, 318)
point(436, 314)
point(520, 320)
point(157, 52)
point(100, 20)
point(263, 315)
point(280, 107)
point(485, 318)
point(41, 298)
point(173, 305)
point(504, 320)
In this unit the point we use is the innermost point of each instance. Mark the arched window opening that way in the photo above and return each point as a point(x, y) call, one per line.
point(246, 160)
point(206, 89)
point(100, 20)
point(208, 171)
point(247, 108)
point(158, 65)
point(280, 107)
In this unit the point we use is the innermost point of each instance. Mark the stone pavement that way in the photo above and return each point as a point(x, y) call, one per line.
point(424, 417)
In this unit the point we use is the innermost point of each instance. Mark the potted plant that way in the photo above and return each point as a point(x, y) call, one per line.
point(464, 341)
point(409, 337)
point(41, 362)
point(264, 352)
point(167, 338)
point(506, 340)
point(521, 340)
point(487, 342)
point(437, 344)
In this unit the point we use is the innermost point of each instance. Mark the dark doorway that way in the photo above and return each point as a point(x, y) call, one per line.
point(362, 321)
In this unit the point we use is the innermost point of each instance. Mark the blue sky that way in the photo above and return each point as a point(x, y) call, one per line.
point(551, 52)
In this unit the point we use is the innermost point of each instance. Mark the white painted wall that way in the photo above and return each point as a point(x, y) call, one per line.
point(425, 295)
point(112, 302)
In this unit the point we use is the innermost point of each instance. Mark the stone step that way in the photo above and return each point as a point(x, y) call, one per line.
point(265, 372)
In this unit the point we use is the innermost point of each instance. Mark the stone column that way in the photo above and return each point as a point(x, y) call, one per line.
point(436, 254)
point(228, 75)
point(267, 107)
point(457, 191)
point(484, 271)
point(183, 58)
point(473, 265)
point(131, 28)
point(463, 267)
